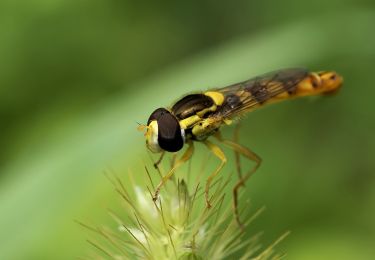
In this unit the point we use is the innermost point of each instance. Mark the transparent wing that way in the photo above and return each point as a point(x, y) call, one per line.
point(247, 95)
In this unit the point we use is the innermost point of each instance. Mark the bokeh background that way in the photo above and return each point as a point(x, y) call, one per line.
point(76, 76)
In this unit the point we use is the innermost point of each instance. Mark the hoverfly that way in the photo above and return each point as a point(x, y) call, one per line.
point(197, 116)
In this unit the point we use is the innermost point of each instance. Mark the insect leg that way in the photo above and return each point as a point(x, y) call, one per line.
point(156, 164)
point(185, 157)
point(219, 154)
point(236, 154)
point(241, 182)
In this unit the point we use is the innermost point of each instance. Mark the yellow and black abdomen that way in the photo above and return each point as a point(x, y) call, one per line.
point(276, 86)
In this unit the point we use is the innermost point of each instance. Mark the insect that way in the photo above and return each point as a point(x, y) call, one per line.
point(198, 116)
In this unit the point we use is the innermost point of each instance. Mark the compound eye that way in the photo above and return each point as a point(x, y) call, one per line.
point(157, 114)
point(169, 131)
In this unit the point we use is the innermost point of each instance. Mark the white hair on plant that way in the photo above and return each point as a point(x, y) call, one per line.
point(178, 226)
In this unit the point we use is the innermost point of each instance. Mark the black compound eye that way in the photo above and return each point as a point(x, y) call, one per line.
point(169, 130)
point(157, 114)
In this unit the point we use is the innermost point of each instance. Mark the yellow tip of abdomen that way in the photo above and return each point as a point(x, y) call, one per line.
point(326, 82)
point(331, 81)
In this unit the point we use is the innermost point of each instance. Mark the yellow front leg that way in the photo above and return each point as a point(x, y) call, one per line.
point(185, 157)
point(156, 164)
point(219, 154)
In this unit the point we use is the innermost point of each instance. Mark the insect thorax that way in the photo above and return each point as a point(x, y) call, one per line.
point(195, 114)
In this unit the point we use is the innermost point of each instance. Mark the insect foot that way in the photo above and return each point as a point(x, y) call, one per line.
point(156, 196)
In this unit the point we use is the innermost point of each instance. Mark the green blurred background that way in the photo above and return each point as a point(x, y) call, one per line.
point(76, 76)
